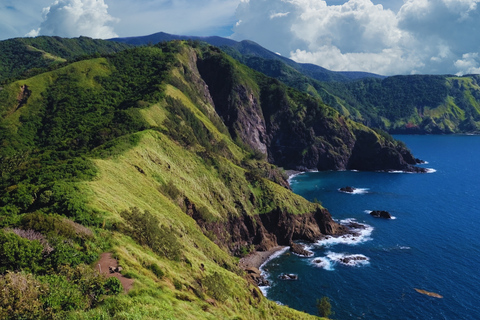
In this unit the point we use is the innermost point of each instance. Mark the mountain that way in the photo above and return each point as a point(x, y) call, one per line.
point(247, 48)
point(20, 55)
point(157, 157)
point(414, 104)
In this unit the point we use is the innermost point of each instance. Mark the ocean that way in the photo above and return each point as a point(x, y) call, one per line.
point(432, 244)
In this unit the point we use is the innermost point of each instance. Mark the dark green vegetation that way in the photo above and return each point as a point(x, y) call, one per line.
point(166, 157)
point(24, 57)
point(416, 104)
point(324, 307)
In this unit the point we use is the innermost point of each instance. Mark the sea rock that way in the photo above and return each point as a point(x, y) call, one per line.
point(256, 277)
point(288, 276)
point(381, 214)
point(299, 249)
point(347, 189)
point(349, 259)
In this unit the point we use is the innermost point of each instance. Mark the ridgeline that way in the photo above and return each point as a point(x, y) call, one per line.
point(168, 157)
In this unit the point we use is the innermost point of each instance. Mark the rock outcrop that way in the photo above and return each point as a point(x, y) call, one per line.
point(347, 189)
point(268, 230)
point(381, 214)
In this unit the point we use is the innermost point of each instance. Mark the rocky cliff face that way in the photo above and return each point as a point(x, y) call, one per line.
point(265, 231)
point(292, 129)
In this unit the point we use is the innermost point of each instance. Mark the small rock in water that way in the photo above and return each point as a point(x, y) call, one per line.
point(381, 214)
point(288, 276)
point(347, 189)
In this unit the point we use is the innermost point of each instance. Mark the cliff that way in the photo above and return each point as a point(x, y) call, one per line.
point(158, 155)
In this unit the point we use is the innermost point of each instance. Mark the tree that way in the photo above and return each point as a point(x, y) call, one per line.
point(324, 307)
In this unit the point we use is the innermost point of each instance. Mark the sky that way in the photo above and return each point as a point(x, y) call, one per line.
point(385, 37)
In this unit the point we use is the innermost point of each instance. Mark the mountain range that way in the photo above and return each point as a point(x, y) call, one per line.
point(411, 104)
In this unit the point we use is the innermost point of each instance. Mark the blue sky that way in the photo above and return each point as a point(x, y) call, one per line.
point(384, 37)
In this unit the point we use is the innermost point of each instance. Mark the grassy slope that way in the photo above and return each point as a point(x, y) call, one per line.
point(133, 175)
point(20, 55)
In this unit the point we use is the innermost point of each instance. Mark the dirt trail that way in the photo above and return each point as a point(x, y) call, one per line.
point(107, 262)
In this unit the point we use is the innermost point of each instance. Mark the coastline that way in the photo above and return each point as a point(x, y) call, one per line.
point(258, 258)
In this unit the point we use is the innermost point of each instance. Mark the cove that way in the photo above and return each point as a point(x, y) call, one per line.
point(432, 244)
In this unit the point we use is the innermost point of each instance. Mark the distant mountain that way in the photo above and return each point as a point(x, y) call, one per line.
point(251, 49)
point(419, 104)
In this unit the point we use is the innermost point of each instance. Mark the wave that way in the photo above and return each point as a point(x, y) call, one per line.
point(429, 170)
point(352, 260)
point(356, 191)
point(332, 258)
point(291, 177)
point(323, 262)
point(360, 233)
point(265, 274)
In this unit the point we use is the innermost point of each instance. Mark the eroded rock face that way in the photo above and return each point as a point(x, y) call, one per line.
point(293, 130)
point(269, 230)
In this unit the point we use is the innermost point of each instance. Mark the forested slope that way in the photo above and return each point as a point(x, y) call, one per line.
point(158, 155)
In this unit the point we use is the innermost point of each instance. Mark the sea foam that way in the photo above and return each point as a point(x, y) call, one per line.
point(356, 191)
point(360, 233)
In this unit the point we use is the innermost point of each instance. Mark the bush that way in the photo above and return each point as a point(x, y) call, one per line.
point(146, 230)
point(63, 295)
point(113, 286)
point(17, 253)
point(156, 270)
point(217, 287)
point(20, 297)
point(324, 307)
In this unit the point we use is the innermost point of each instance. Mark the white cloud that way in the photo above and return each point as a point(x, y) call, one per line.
point(470, 63)
point(279, 15)
point(73, 18)
point(422, 36)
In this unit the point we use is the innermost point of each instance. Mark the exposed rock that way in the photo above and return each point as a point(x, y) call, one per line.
point(255, 276)
point(381, 214)
point(288, 276)
point(347, 189)
point(348, 259)
point(268, 230)
point(299, 249)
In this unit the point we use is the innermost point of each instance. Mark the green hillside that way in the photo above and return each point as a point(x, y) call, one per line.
point(25, 56)
point(163, 156)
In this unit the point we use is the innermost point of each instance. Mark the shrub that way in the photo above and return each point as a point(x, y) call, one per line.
point(113, 286)
point(20, 297)
point(146, 230)
point(217, 286)
point(63, 295)
point(17, 253)
point(156, 270)
point(324, 307)
point(177, 284)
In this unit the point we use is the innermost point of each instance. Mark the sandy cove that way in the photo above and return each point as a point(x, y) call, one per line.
point(257, 258)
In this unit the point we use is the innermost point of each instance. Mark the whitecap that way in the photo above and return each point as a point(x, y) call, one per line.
point(360, 233)
point(346, 259)
point(273, 256)
point(356, 191)
point(431, 170)
point(322, 262)
point(265, 274)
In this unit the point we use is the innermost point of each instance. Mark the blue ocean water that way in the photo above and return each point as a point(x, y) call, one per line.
point(433, 243)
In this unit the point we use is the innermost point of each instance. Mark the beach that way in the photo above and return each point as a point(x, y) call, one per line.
point(257, 258)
